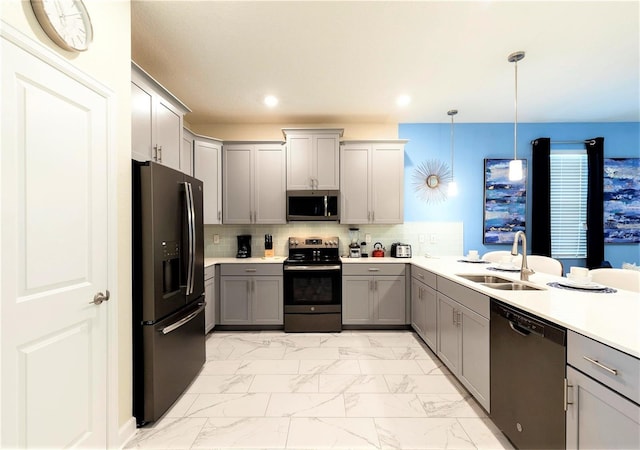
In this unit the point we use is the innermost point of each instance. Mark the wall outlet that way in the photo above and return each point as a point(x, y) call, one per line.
point(216, 238)
point(367, 238)
point(433, 238)
point(421, 238)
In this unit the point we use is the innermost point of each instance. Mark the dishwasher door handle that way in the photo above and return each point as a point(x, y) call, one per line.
point(519, 330)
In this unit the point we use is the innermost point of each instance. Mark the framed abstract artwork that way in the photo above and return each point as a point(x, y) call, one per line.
point(621, 200)
point(505, 202)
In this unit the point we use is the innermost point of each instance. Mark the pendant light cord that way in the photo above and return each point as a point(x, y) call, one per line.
point(515, 123)
point(451, 113)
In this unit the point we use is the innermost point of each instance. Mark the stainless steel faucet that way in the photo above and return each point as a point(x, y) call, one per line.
point(524, 268)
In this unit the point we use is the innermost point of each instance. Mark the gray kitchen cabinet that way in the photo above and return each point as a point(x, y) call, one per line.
point(186, 152)
point(463, 336)
point(254, 183)
point(210, 298)
point(313, 158)
point(372, 182)
point(156, 121)
point(603, 392)
point(251, 294)
point(373, 294)
point(424, 305)
point(207, 154)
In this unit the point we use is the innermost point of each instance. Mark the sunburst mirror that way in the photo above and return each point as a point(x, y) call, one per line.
point(431, 179)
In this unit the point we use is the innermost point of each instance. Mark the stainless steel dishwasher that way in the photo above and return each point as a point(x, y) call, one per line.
point(528, 357)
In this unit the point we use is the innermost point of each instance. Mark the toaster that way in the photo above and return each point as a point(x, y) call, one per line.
point(399, 250)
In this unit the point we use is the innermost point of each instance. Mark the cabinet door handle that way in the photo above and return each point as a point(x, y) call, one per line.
point(250, 270)
point(602, 366)
point(566, 394)
point(373, 269)
point(459, 318)
point(453, 312)
point(159, 153)
point(373, 216)
point(375, 285)
point(219, 214)
point(155, 153)
point(421, 276)
point(371, 285)
point(368, 216)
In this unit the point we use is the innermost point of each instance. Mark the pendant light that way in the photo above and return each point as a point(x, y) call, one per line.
point(515, 166)
point(453, 186)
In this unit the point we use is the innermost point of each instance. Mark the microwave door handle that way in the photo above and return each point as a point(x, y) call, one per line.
point(326, 205)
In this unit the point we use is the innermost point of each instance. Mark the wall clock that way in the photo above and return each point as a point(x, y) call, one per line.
point(66, 22)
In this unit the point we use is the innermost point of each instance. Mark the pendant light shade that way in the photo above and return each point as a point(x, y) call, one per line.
point(453, 186)
point(515, 166)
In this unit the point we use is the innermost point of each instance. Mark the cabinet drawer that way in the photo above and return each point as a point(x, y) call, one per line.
point(627, 379)
point(373, 269)
point(473, 300)
point(209, 271)
point(424, 276)
point(250, 269)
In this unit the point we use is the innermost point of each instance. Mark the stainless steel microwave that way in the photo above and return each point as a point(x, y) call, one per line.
point(313, 205)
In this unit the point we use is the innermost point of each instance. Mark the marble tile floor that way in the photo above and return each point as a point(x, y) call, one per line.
point(349, 390)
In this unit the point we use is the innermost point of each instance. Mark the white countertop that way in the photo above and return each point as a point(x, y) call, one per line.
point(258, 260)
point(610, 318)
point(613, 319)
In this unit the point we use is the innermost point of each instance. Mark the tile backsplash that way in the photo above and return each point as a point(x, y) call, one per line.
point(432, 238)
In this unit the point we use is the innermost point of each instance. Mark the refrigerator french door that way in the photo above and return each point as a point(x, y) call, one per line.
point(168, 287)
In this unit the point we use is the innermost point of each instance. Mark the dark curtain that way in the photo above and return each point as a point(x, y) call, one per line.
point(541, 197)
point(595, 202)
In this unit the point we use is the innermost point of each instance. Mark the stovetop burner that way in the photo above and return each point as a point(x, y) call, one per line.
point(313, 250)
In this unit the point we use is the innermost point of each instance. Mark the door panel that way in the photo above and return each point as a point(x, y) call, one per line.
point(54, 255)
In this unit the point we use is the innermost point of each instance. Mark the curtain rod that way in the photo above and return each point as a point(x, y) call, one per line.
point(590, 142)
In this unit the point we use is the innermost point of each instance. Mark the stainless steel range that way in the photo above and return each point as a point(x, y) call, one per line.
point(313, 285)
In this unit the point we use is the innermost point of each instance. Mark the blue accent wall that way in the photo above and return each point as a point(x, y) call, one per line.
point(476, 141)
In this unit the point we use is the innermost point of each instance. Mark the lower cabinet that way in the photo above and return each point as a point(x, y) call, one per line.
point(463, 337)
point(603, 392)
point(373, 294)
point(210, 298)
point(424, 305)
point(251, 294)
point(598, 417)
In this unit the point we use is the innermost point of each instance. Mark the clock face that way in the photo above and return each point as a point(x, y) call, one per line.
point(66, 22)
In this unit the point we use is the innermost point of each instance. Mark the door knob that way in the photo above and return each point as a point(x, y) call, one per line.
point(100, 297)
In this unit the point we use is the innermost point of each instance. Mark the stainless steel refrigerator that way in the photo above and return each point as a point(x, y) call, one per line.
point(168, 287)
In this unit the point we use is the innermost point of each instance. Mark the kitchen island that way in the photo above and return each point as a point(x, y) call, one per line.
point(610, 318)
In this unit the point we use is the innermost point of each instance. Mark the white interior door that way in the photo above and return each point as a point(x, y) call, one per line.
point(54, 236)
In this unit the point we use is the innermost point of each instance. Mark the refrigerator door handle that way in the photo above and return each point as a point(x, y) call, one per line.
point(174, 326)
point(190, 237)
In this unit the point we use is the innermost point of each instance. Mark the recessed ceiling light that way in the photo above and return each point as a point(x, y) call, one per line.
point(270, 101)
point(403, 100)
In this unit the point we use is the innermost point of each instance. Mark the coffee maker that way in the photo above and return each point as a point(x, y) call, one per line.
point(244, 246)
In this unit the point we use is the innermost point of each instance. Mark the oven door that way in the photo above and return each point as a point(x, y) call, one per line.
point(318, 286)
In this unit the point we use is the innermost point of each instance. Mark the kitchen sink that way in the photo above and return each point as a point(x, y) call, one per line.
point(499, 283)
point(512, 286)
point(485, 278)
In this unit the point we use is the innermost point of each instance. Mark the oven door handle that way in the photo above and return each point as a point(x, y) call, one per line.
point(311, 268)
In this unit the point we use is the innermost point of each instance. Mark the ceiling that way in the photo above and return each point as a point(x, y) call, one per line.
point(346, 62)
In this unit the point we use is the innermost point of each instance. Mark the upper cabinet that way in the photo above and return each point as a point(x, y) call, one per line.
point(372, 182)
point(156, 121)
point(207, 156)
point(313, 158)
point(186, 152)
point(254, 183)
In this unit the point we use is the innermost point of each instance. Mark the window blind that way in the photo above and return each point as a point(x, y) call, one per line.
point(569, 170)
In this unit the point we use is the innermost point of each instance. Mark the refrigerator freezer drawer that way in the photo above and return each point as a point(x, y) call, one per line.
point(173, 352)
